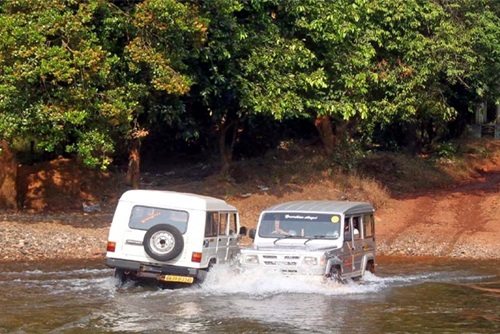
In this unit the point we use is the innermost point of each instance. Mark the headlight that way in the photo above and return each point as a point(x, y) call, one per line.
point(310, 261)
point(251, 259)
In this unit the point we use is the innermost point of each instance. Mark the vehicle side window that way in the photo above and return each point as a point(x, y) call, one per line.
point(368, 224)
point(232, 224)
point(211, 224)
point(143, 218)
point(347, 227)
point(356, 225)
point(223, 224)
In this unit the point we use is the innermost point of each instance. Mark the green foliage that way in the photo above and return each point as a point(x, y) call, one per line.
point(375, 62)
point(78, 75)
point(447, 150)
point(51, 68)
point(347, 155)
point(88, 76)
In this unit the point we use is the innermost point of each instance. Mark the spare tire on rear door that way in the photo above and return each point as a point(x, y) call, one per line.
point(163, 242)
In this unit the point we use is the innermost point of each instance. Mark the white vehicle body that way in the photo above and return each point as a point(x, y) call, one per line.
point(171, 236)
point(324, 238)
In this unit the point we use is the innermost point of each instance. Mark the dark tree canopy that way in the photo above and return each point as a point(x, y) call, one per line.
point(87, 77)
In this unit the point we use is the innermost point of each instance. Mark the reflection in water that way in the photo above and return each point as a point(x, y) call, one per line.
point(431, 296)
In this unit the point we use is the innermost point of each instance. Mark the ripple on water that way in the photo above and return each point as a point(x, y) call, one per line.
point(39, 272)
point(86, 301)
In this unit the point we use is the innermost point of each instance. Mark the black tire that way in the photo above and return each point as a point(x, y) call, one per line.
point(120, 277)
point(370, 266)
point(336, 274)
point(163, 242)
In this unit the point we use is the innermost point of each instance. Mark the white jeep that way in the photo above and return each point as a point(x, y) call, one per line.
point(327, 239)
point(171, 236)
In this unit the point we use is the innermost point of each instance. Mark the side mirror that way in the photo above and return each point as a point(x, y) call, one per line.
point(347, 236)
point(251, 234)
point(243, 230)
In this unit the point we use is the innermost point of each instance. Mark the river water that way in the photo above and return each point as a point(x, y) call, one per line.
point(405, 296)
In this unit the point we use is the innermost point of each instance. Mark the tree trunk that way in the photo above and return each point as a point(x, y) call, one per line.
point(324, 126)
point(226, 145)
point(132, 177)
point(412, 144)
point(226, 155)
point(32, 152)
point(481, 113)
point(430, 132)
point(226, 149)
point(8, 177)
point(497, 119)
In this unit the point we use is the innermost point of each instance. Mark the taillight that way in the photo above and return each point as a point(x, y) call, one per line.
point(196, 257)
point(111, 246)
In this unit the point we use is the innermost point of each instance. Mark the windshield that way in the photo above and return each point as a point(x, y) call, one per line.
point(300, 225)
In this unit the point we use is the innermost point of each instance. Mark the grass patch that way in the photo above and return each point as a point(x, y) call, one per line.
point(461, 162)
point(374, 177)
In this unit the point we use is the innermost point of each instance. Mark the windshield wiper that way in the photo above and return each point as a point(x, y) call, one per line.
point(315, 238)
point(284, 237)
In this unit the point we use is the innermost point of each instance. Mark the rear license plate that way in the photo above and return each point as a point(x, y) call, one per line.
point(172, 278)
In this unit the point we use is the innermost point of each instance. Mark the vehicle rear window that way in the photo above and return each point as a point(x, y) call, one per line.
point(144, 217)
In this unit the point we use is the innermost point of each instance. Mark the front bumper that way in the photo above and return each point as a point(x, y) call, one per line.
point(285, 264)
point(145, 270)
point(288, 271)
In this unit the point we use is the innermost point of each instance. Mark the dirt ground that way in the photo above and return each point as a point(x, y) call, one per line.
point(461, 221)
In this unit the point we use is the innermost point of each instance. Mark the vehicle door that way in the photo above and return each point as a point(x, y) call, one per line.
point(357, 243)
point(232, 241)
point(223, 238)
point(210, 239)
point(348, 246)
point(369, 233)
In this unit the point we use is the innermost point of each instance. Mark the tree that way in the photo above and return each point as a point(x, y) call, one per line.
point(377, 62)
point(79, 76)
point(159, 35)
point(52, 69)
point(480, 23)
point(235, 29)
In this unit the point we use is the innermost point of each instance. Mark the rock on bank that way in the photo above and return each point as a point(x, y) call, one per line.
point(36, 237)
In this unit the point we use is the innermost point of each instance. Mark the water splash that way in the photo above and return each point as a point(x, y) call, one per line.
point(260, 282)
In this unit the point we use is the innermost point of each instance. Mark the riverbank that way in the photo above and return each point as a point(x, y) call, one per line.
point(34, 237)
point(460, 222)
point(448, 208)
point(47, 239)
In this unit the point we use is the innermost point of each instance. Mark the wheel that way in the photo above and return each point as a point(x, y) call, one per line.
point(370, 266)
point(336, 274)
point(120, 277)
point(163, 242)
point(202, 273)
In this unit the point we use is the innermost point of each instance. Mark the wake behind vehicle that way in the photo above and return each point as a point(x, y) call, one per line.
point(330, 239)
point(171, 236)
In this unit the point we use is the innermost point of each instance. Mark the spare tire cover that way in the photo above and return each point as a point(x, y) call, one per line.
point(163, 242)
